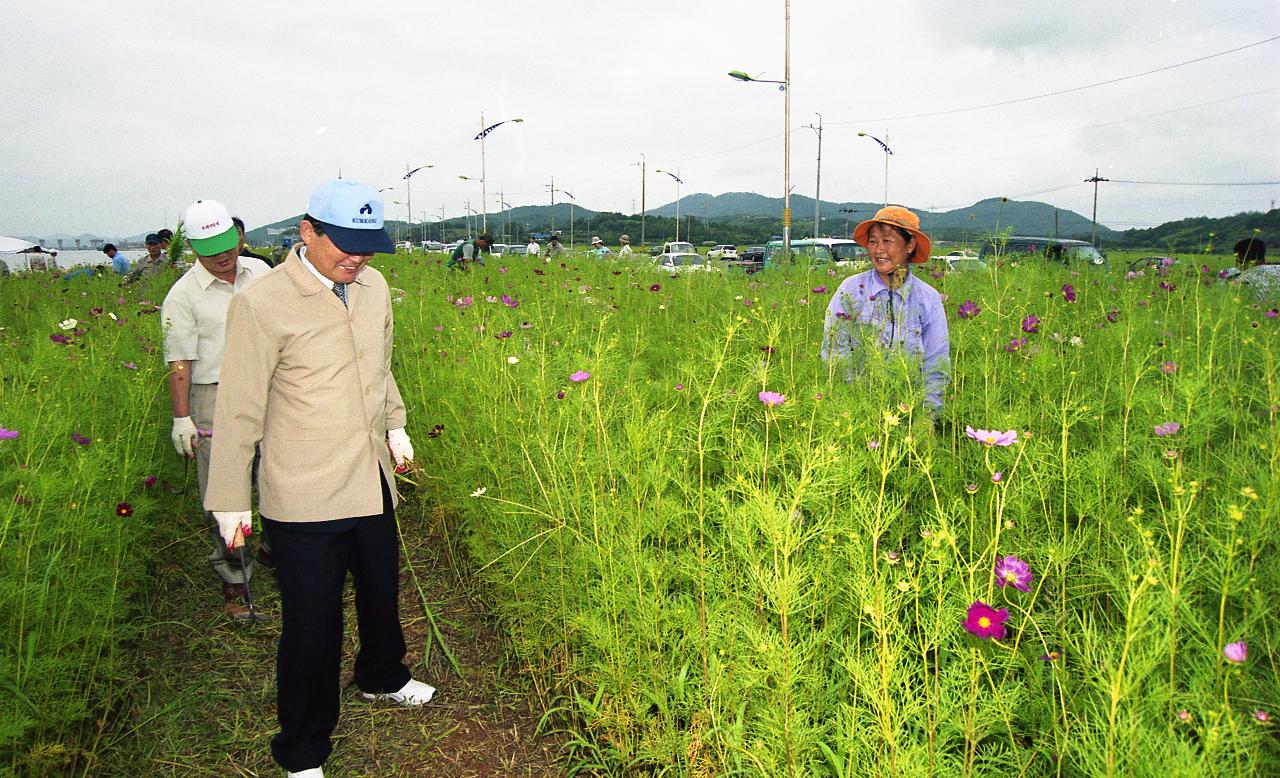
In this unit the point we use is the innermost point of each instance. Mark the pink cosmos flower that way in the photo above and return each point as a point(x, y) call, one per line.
point(1012, 571)
point(1184, 716)
point(655, 288)
point(464, 302)
point(579, 376)
point(1068, 293)
point(503, 335)
point(992, 437)
point(129, 365)
point(1015, 344)
point(6, 434)
point(772, 398)
point(679, 387)
point(1236, 652)
point(1168, 367)
point(971, 488)
point(1271, 314)
point(510, 301)
point(969, 309)
point(1031, 324)
point(819, 290)
point(986, 622)
point(997, 477)
point(1261, 716)
point(1167, 429)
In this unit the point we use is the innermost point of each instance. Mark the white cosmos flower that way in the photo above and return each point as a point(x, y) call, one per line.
point(513, 360)
point(68, 324)
point(480, 492)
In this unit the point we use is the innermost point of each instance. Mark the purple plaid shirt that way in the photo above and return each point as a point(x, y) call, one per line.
point(911, 320)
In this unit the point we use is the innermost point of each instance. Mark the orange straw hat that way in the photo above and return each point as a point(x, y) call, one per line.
point(897, 216)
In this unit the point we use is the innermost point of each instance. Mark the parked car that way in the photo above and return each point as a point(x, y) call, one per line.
point(817, 251)
point(498, 249)
point(521, 250)
point(1058, 250)
point(432, 245)
point(723, 251)
point(677, 247)
point(678, 261)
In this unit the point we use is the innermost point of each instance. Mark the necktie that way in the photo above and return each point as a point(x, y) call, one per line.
point(341, 291)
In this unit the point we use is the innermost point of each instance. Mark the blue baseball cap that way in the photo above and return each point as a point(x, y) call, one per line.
point(351, 213)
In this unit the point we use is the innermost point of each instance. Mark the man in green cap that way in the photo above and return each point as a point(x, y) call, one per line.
point(195, 315)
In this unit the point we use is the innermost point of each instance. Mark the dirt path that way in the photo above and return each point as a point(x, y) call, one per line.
point(206, 703)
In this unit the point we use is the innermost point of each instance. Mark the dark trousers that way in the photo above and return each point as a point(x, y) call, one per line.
point(312, 560)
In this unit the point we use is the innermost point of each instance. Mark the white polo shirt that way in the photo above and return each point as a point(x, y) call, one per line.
point(194, 315)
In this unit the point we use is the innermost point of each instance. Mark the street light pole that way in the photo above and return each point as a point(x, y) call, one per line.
point(884, 144)
point(817, 193)
point(484, 194)
point(786, 139)
point(408, 194)
point(572, 199)
point(785, 86)
point(678, 183)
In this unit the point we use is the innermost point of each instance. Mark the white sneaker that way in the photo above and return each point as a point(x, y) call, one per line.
point(412, 694)
point(314, 772)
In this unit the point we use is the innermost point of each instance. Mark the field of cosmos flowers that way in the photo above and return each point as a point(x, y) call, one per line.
point(713, 554)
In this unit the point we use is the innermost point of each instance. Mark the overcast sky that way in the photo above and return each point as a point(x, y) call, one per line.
point(120, 114)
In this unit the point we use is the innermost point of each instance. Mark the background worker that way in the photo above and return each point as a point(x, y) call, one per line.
point(245, 251)
point(307, 374)
point(194, 316)
point(1262, 277)
point(533, 249)
point(471, 251)
point(625, 251)
point(119, 262)
point(151, 264)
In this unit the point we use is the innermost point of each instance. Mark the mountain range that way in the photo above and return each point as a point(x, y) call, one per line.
point(749, 218)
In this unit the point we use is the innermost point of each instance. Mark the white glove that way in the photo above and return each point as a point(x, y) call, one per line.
point(234, 526)
point(401, 448)
point(184, 436)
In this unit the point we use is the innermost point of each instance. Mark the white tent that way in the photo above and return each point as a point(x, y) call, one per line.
point(20, 254)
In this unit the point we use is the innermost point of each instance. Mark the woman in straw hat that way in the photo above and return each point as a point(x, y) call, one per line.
point(889, 310)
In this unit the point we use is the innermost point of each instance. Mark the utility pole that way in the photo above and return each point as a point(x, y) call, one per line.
point(817, 193)
point(1093, 236)
point(552, 187)
point(641, 163)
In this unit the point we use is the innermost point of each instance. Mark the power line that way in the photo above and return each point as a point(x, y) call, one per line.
point(1061, 91)
point(1193, 183)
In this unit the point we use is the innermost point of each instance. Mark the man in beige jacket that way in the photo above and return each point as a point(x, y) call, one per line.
point(307, 374)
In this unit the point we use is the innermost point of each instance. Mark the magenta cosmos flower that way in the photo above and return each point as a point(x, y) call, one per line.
point(1236, 652)
point(986, 622)
point(772, 398)
point(1069, 293)
point(969, 309)
point(579, 376)
point(1031, 324)
point(992, 437)
point(1012, 571)
point(6, 434)
point(1167, 429)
